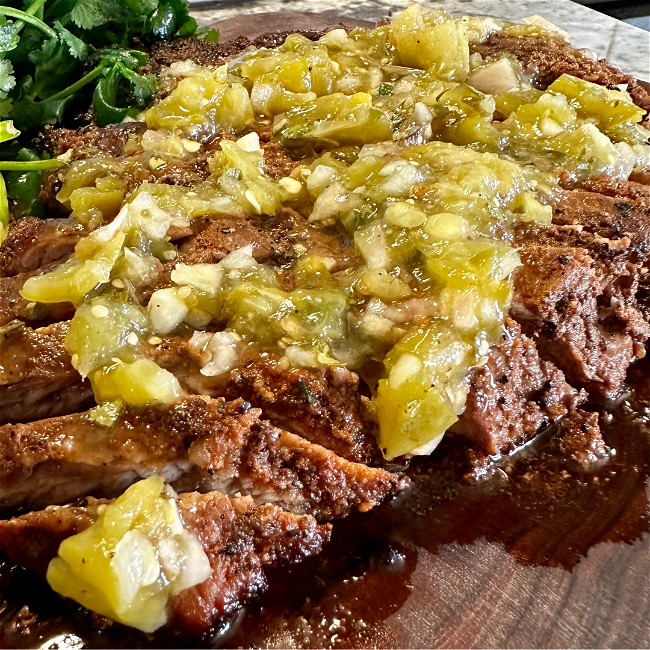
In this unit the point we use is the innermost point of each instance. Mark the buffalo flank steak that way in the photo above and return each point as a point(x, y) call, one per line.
point(266, 455)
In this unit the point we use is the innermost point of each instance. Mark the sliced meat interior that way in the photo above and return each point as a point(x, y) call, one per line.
point(582, 292)
point(322, 405)
point(514, 396)
point(274, 239)
point(579, 440)
point(14, 307)
point(34, 243)
point(239, 538)
point(37, 379)
point(556, 300)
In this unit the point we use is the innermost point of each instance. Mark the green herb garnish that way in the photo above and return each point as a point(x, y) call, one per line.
point(59, 56)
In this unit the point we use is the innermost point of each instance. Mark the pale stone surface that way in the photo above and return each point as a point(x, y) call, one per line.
point(623, 45)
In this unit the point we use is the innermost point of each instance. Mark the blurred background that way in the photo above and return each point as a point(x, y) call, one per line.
point(635, 13)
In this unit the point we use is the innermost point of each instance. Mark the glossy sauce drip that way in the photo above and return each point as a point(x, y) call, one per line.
point(523, 552)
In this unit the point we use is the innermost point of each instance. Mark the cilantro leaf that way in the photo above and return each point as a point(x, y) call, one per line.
point(30, 40)
point(42, 77)
point(53, 65)
point(132, 59)
point(143, 87)
point(142, 7)
point(7, 83)
point(185, 24)
point(163, 21)
point(93, 13)
point(7, 79)
point(6, 106)
point(88, 14)
point(9, 37)
point(212, 35)
point(76, 46)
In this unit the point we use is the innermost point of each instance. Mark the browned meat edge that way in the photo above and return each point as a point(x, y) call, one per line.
point(200, 443)
point(37, 379)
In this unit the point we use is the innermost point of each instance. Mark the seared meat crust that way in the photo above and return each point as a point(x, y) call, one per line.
point(510, 399)
point(216, 238)
point(617, 221)
point(37, 380)
point(556, 300)
point(546, 58)
point(615, 187)
point(208, 53)
point(238, 537)
point(580, 291)
point(200, 443)
point(89, 141)
point(322, 405)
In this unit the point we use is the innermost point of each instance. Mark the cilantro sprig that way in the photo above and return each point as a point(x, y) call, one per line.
point(45, 48)
point(57, 57)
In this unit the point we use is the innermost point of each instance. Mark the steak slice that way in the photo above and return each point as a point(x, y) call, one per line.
point(14, 307)
point(216, 238)
point(34, 243)
point(108, 142)
point(37, 379)
point(276, 161)
point(322, 405)
point(614, 220)
point(560, 300)
point(239, 538)
point(618, 188)
point(546, 57)
point(201, 443)
point(514, 396)
point(277, 239)
point(582, 292)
